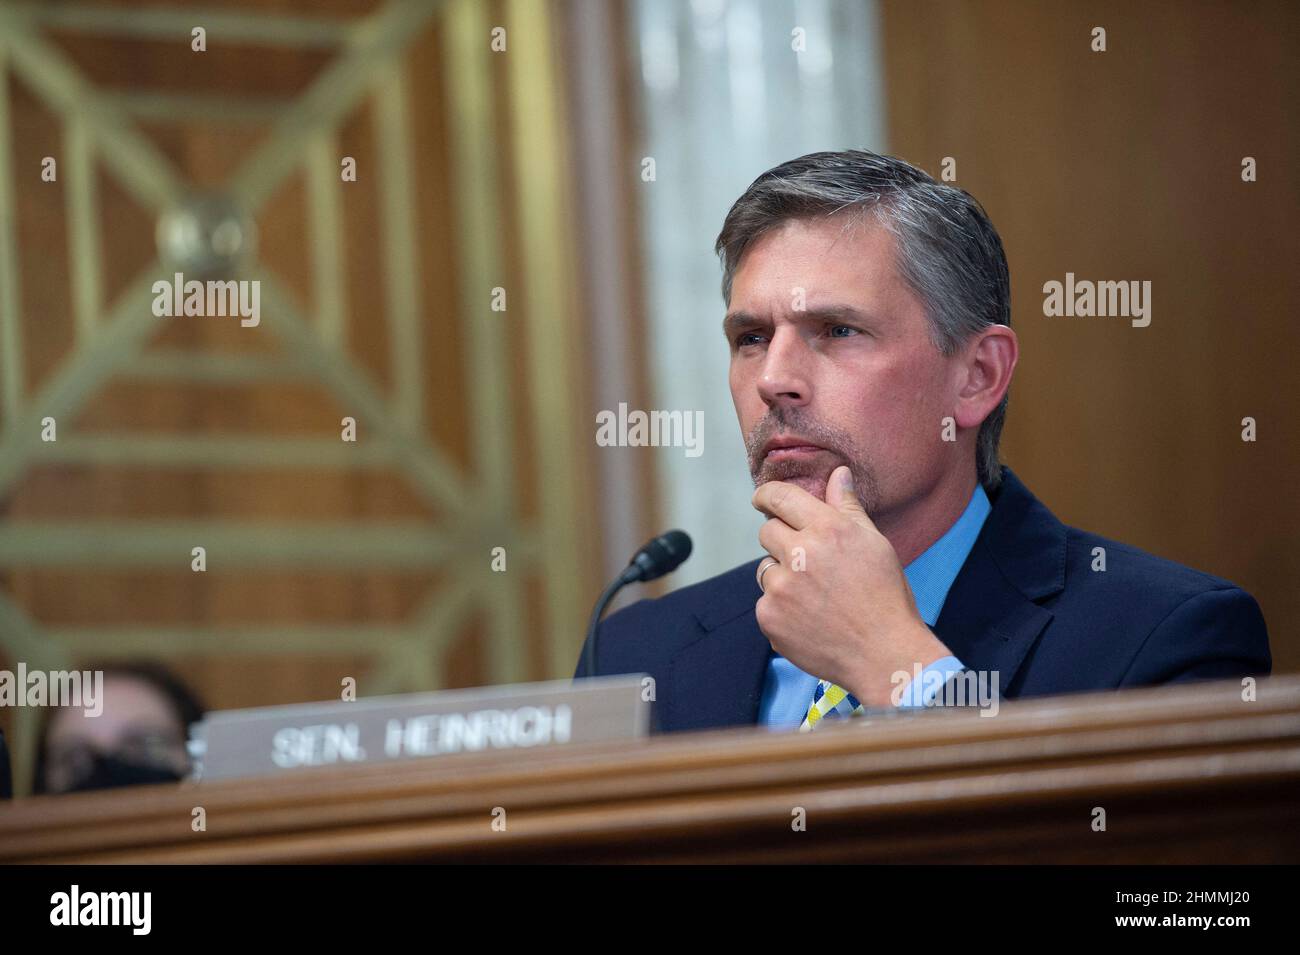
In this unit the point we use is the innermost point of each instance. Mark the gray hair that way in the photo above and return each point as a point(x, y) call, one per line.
point(949, 254)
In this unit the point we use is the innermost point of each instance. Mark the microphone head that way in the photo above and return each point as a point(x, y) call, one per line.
point(661, 556)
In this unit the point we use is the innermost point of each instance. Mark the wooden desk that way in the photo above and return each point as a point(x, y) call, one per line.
point(1184, 774)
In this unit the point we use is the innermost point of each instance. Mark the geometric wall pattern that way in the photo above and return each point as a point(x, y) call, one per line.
point(503, 120)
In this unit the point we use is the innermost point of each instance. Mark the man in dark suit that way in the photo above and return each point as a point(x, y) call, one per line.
point(871, 354)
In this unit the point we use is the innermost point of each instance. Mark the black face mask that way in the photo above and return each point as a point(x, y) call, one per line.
point(109, 772)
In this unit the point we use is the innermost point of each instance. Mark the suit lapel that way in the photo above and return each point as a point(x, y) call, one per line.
point(988, 624)
point(718, 679)
point(992, 614)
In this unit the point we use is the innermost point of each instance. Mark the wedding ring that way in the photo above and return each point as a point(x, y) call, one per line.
point(763, 568)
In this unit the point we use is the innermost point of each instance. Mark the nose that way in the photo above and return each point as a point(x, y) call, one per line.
point(784, 379)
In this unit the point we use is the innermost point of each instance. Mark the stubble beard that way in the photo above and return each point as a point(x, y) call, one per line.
point(811, 475)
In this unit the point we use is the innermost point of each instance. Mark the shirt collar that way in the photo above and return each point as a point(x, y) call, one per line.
point(931, 574)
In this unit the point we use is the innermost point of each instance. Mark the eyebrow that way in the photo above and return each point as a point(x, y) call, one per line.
point(735, 321)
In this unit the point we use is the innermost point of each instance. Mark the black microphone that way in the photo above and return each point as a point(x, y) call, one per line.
point(661, 556)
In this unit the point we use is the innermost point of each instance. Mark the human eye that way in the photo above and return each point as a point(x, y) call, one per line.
point(746, 339)
point(841, 331)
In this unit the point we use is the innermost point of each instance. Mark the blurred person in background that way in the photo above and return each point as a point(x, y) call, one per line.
point(6, 780)
point(139, 738)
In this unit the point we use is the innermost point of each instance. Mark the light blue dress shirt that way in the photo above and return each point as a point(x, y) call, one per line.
point(788, 691)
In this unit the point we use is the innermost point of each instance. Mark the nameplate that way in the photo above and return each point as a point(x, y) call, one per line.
point(521, 717)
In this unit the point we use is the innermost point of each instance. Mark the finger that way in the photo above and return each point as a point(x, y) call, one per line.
point(789, 502)
point(771, 574)
point(777, 538)
point(841, 495)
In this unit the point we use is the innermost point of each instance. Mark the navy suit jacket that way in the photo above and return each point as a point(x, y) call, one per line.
point(1026, 603)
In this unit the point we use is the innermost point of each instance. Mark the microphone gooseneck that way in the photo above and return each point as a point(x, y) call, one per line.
point(660, 556)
